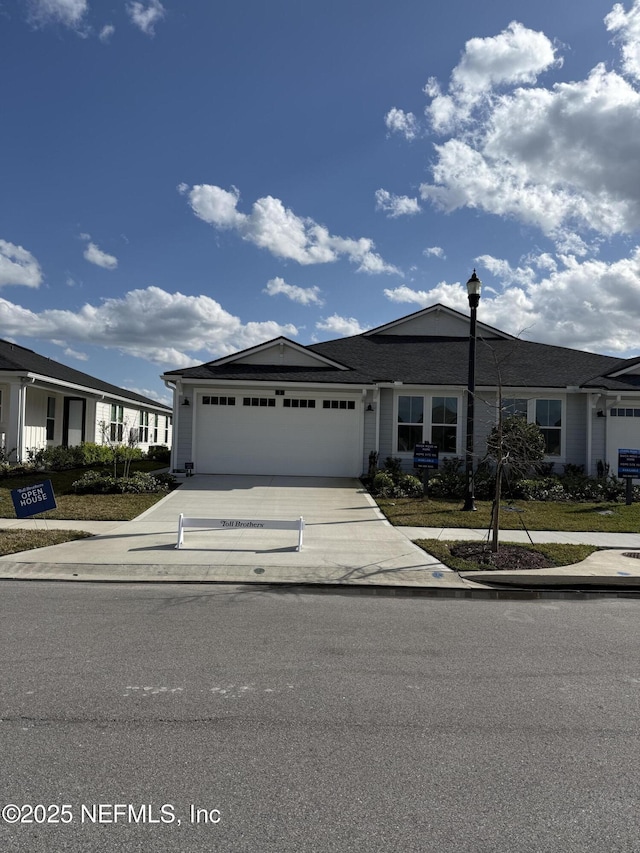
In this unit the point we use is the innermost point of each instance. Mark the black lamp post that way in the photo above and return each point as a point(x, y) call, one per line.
point(474, 285)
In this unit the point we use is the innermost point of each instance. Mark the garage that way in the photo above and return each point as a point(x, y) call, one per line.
point(302, 433)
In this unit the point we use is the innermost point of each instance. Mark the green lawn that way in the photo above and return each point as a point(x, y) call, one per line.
point(536, 515)
point(12, 541)
point(81, 507)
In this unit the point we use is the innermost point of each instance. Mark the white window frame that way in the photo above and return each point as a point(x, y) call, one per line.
point(428, 397)
point(531, 417)
point(116, 424)
point(143, 427)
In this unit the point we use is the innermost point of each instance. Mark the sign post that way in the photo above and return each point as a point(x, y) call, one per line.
point(31, 500)
point(629, 468)
point(425, 458)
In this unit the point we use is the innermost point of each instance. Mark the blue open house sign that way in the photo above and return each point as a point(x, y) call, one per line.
point(30, 500)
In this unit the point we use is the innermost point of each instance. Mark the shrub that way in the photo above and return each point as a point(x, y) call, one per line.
point(91, 453)
point(542, 489)
point(383, 484)
point(94, 483)
point(393, 467)
point(450, 479)
point(408, 486)
point(102, 483)
point(159, 453)
point(56, 458)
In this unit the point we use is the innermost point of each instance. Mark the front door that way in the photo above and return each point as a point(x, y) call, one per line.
point(73, 430)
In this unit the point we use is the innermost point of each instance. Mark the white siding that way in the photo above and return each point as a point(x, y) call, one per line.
point(35, 416)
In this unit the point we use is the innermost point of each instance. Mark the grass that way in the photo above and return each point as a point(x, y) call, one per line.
point(536, 515)
point(81, 507)
point(560, 555)
point(12, 541)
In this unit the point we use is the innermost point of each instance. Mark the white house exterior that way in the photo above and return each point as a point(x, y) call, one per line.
point(44, 403)
point(284, 408)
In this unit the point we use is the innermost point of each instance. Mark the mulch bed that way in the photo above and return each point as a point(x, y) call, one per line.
point(508, 557)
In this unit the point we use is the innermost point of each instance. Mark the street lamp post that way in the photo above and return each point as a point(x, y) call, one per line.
point(474, 285)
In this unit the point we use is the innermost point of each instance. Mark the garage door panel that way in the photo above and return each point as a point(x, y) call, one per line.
point(256, 439)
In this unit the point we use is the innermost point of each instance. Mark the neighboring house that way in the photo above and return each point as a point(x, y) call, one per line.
point(284, 408)
point(44, 403)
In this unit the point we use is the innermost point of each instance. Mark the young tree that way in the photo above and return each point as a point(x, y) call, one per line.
point(516, 446)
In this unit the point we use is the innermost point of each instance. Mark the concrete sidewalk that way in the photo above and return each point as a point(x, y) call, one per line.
point(347, 541)
point(608, 567)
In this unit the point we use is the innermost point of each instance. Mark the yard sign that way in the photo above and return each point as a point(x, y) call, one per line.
point(30, 500)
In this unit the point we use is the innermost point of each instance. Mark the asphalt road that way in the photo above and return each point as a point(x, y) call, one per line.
point(203, 718)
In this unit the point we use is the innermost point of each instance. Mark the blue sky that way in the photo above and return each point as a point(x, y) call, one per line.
point(184, 179)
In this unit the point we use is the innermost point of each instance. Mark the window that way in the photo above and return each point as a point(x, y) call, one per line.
point(410, 420)
point(116, 427)
point(218, 401)
point(264, 402)
point(156, 418)
point(143, 429)
point(444, 423)
point(514, 406)
point(625, 413)
point(293, 403)
point(167, 425)
point(51, 418)
point(549, 418)
point(338, 404)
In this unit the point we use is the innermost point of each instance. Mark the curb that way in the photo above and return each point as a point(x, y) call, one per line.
point(498, 594)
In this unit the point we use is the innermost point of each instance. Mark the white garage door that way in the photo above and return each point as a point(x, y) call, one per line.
point(297, 434)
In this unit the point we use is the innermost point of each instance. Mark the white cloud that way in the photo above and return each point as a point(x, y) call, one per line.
point(272, 226)
point(581, 304)
point(397, 121)
point(101, 259)
point(80, 356)
point(453, 295)
point(341, 326)
point(18, 266)
point(70, 13)
point(136, 322)
point(106, 32)
point(562, 159)
point(434, 251)
point(396, 205)
point(152, 394)
point(627, 27)
point(302, 295)
point(515, 57)
point(146, 17)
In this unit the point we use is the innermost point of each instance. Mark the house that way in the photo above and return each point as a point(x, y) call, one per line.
point(284, 408)
point(44, 403)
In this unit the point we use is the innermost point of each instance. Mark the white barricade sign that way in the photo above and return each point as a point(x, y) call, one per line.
point(239, 524)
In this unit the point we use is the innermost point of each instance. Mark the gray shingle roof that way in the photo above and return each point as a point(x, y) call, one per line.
point(16, 358)
point(429, 360)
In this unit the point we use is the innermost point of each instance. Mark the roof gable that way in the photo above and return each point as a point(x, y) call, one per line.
point(630, 367)
point(279, 352)
point(435, 321)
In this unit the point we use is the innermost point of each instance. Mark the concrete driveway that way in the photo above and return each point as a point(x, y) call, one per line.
point(346, 539)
